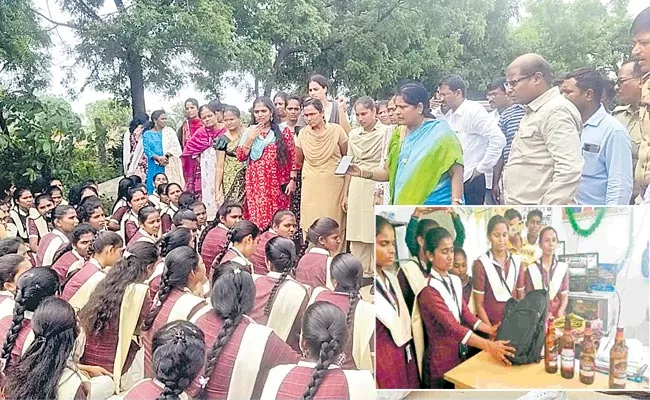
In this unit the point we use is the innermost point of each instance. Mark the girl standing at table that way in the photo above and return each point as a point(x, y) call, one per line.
point(448, 322)
point(548, 274)
point(494, 274)
point(395, 353)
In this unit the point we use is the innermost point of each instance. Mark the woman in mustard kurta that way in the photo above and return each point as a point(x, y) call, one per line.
point(319, 148)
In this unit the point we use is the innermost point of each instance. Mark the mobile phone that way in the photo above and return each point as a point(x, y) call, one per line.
point(344, 164)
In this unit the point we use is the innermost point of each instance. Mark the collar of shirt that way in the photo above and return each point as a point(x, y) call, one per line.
point(61, 235)
point(597, 117)
point(544, 98)
point(459, 111)
point(646, 76)
point(622, 109)
point(318, 250)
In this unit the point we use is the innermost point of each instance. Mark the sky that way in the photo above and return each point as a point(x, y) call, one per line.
point(63, 38)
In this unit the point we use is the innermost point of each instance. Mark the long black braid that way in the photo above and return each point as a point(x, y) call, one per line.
point(179, 263)
point(320, 228)
point(233, 295)
point(324, 332)
point(281, 254)
point(347, 271)
point(178, 351)
point(236, 234)
point(32, 288)
point(223, 212)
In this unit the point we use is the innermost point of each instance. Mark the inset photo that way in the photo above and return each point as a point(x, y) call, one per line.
point(518, 298)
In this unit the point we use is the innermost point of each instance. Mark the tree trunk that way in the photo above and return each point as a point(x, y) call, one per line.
point(257, 87)
point(100, 131)
point(136, 79)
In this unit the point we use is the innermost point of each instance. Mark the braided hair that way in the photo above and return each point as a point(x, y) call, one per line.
point(103, 307)
point(223, 212)
point(37, 374)
point(320, 228)
point(233, 295)
point(347, 271)
point(281, 254)
point(32, 288)
point(178, 265)
point(432, 240)
point(324, 332)
point(103, 239)
point(174, 239)
point(178, 352)
point(237, 234)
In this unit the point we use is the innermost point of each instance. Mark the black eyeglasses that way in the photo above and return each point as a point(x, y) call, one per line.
point(621, 81)
point(512, 83)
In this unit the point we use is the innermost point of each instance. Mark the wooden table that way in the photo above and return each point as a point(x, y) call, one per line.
point(483, 372)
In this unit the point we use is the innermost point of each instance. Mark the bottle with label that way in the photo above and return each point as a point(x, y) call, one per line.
point(618, 362)
point(588, 357)
point(550, 348)
point(567, 351)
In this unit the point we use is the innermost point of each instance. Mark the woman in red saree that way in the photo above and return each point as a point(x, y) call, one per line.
point(192, 123)
point(199, 159)
point(270, 154)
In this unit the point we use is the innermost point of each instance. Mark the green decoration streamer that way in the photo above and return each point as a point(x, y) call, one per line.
point(590, 230)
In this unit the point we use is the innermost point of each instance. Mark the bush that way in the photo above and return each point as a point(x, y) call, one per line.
point(44, 138)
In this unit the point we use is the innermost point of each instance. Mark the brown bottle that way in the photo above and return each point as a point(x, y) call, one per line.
point(588, 357)
point(550, 348)
point(618, 362)
point(567, 351)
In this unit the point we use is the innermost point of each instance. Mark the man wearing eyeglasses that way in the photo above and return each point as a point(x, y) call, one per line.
point(545, 162)
point(640, 32)
point(628, 87)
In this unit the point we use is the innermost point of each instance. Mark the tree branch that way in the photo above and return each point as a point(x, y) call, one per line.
point(54, 22)
point(88, 10)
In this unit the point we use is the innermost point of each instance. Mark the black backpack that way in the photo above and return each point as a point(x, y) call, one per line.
point(523, 325)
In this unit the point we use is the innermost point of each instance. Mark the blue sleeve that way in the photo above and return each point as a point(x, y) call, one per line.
point(149, 145)
point(410, 239)
point(618, 163)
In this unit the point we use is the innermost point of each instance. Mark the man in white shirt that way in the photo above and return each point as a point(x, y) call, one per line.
point(478, 132)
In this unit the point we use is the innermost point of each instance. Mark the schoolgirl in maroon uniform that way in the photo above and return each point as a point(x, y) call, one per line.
point(283, 224)
point(314, 266)
point(75, 253)
point(240, 246)
point(214, 236)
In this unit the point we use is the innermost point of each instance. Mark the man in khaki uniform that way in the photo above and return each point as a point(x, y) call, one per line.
point(545, 162)
point(628, 86)
point(640, 32)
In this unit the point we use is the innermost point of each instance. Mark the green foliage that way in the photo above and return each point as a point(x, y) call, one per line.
point(43, 137)
point(574, 34)
point(115, 115)
point(23, 45)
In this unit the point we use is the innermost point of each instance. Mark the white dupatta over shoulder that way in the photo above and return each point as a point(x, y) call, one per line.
point(173, 170)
